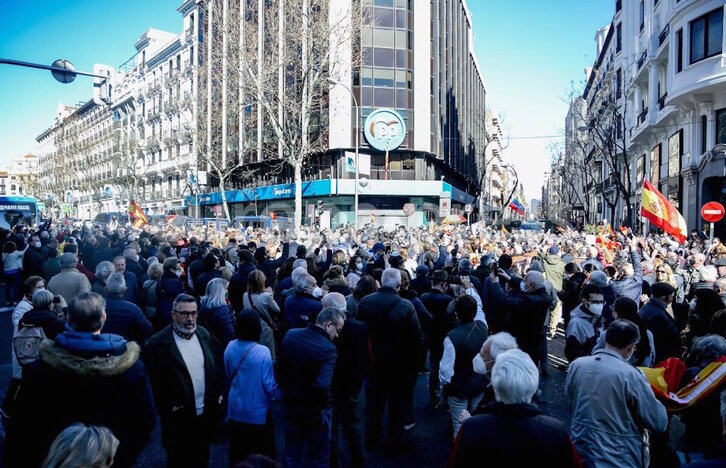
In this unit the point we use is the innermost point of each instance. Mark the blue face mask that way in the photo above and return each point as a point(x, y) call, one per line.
point(522, 287)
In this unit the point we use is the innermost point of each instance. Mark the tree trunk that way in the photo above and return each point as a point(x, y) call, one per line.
point(225, 206)
point(298, 194)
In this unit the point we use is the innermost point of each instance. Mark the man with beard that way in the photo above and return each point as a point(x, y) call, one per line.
point(187, 374)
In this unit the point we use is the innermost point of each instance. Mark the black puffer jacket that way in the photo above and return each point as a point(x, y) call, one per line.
point(219, 320)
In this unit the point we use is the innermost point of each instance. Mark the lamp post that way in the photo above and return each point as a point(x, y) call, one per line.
point(357, 138)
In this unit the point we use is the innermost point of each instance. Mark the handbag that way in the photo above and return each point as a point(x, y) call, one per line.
point(241, 361)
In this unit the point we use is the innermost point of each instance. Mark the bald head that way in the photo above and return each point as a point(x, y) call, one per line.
point(334, 300)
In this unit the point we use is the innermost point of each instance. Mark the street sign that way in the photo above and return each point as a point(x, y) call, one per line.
point(409, 209)
point(712, 212)
point(444, 207)
point(468, 208)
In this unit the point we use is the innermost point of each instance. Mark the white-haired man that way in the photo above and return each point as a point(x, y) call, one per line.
point(395, 336)
point(612, 403)
point(513, 432)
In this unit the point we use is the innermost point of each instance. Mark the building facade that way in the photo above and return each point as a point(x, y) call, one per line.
point(182, 110)
point(660, 69)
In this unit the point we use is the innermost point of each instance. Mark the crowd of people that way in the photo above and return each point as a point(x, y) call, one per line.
point(211, 330)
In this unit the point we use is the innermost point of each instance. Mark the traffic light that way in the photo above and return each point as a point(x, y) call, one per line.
point(102, 86)
point(320, 207)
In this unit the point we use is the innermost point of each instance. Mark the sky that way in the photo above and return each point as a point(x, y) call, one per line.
point(529, 52)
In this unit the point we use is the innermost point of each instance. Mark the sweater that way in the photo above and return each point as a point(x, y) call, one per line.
point(253, 386)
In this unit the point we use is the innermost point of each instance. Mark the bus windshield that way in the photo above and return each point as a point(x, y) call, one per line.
point(18, 210)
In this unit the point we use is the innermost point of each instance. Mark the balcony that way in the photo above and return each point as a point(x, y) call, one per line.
point(664, 34)
point(642, 116)
point(661, 101)
point(641, 60)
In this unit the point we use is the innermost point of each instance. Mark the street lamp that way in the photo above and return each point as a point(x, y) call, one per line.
point(357, 137)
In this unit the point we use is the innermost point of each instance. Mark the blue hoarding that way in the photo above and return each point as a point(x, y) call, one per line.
point(280, 191)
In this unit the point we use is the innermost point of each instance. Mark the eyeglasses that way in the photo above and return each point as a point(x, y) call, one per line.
point(186, 314)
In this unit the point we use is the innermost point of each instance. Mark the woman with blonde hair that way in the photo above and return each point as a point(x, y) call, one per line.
point(80, 446)
point(215, 314)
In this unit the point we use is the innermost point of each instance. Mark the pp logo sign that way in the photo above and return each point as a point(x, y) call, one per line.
point(385, 129)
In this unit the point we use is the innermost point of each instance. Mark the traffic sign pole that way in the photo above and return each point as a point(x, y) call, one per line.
point(710, 235)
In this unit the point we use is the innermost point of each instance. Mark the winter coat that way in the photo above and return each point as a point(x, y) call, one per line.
point(665, 332)
point(582, 333)
point(126, 319)
point(200, 284)
point(554, 269)
point(33, 261)
point(395, 332)
point(513, 435)
point(353, 359)
point(424, 316)
point(93, 379)
point(437, 303)
point(525, 317)
point(173, 390)
point(301, 309)
point(149, 298)
point(269, 266)
point(421, 285)
point(218, 320)
point(611, 403)
point(51, 267)
point(238, 285)
point(132, 288)
point(69, 283)
point(169, 287)
point(252, 384)
point(136, 269)
point(649, 360)
point(631, 286)
point(305, 368)
point(46, 319)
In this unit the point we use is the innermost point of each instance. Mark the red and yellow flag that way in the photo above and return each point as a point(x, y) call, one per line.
point(658, 210)
point(138, 214)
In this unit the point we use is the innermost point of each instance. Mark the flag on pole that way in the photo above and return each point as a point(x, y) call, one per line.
point(517, 206)
point(138, 215)
point(658, 210)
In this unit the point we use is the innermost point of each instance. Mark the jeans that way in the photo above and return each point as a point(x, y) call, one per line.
point(457, 405)
point(311, 429)
point(385, 388)
point(348, 430)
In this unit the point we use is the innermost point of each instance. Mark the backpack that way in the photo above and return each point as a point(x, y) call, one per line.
point(26, 344)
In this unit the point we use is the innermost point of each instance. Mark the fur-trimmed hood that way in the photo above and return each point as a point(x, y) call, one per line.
point(102, 366)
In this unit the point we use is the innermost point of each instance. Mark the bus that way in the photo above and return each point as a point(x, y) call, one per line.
point(16, 210)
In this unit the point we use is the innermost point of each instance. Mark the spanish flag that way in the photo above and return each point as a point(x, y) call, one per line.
point(658, 210)
point(138, 214)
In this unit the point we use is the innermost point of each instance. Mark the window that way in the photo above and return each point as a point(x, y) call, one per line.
point(618, 37)
point(706, 35)
point(674, 154)
point(618, 83)
point(654, 163)
point(704, 128)
point(721, 126)
point(640, 170)
point(679, 50)
point(642, 14)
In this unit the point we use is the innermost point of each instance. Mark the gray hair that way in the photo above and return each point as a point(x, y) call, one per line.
point(499, 343)
point(391, 278)
point(183, 297)
point(300, 263)
point(536, 278)
point(330, 314)
point(67, 261)
point(706, 349)
point(116, 284)
point(42, 299)
point(515, 378)
point(81, 445)
point(298, 272)
point(130, 253)
point(151, 260)
point(155, 270)
point(104, 269)
point(334, 300)
point(85, 312)
point(215, 294)
point(303, 281)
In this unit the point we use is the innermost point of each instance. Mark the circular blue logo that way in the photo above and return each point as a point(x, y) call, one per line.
point(385, 129)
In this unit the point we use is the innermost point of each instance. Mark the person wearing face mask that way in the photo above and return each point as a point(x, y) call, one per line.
point(303, 306)
point(600, 387)
point(585, 323)
point(666, 335)
point(33, 258)
point(167, 289)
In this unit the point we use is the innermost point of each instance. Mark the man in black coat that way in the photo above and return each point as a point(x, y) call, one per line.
point(395, 335)
point(186, 369)
point(87, 377)
point(33, 258)
point(513, 432)
point(306, 363)
point(123, 317)
point(437, 302)
point(665, 332)
point(525, 311)
point(421, 283)
point(267, 265)
point(238, 283)
point(211, 265)
point(495, 315)
point(131, 293)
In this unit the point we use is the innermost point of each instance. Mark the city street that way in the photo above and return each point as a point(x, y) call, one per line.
point(430, 442)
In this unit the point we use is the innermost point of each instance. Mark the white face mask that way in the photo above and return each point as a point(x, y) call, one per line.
point(317, 292)
point(692, 304)
point(178, 273)
point(522, 287)
point(359, 266)
point(37, 245)
point(596, 308)
point(479, 365)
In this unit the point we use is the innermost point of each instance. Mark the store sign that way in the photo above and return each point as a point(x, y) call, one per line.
point(15, 207)
point(384, 129)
